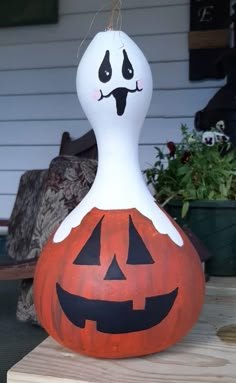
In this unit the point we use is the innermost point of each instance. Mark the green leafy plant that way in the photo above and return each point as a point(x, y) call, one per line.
point(192, 170)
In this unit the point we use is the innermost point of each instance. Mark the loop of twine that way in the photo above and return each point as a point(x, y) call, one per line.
point(116, 8)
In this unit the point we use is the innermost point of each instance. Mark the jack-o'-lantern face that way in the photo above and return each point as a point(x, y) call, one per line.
point(115, 317)
point(113, 289)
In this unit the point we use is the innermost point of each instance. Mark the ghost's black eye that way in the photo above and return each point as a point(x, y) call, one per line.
point(127, 69)
point(105, 70)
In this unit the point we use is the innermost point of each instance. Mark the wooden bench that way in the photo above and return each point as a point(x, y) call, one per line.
point(206, 355)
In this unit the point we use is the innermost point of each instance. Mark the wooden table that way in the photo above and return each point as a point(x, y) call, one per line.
point(206, 355)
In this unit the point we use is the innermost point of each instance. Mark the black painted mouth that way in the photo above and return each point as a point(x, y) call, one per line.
point(120, 95)
point(115, 317)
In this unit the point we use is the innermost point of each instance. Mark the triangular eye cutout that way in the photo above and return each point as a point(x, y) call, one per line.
point(90, 253)
point(138, 254)
point(114, 272)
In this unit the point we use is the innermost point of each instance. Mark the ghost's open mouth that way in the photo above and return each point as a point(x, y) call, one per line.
point(120, 95)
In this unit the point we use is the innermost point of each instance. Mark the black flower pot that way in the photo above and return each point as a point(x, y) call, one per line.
point(214, 222)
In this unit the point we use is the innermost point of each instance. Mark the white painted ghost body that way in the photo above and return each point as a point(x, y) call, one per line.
point(114, 86)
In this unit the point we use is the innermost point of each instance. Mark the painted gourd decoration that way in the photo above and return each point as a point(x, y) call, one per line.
point(118, 278)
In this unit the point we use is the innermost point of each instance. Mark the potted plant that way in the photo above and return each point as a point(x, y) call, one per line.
point(196, 183)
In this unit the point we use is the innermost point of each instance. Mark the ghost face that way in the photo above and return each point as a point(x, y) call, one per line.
point(114, 81)
point(120, 93)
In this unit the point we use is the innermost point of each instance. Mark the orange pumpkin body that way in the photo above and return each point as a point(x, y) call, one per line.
point(115, 287)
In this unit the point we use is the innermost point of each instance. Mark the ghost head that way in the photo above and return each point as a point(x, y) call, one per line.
point(114, 81)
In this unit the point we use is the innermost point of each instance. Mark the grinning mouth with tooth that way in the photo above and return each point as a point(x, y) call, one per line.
point(120, 95)
point(115, 317)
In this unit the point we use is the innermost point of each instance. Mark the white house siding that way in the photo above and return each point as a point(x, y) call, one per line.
point(37, 82)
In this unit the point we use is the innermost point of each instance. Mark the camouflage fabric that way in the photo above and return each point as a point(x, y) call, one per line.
point(44, 199)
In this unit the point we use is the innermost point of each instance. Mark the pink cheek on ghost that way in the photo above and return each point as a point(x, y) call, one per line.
point(140, 84)
point(96, 94)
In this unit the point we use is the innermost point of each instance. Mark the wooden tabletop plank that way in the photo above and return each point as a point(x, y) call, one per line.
point(201, 357)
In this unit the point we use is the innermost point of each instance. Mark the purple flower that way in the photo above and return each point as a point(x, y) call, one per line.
point(172, 148)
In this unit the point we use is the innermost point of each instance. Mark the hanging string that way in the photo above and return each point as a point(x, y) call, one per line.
point(90, 27)
point(119, 17)
point(116, 10)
